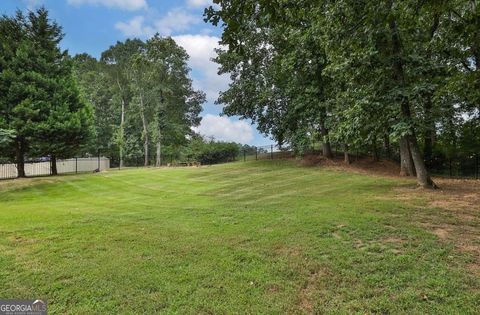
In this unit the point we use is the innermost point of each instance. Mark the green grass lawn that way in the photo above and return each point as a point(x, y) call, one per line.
point(245, 238)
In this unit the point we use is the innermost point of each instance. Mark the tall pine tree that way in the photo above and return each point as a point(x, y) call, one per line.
point(41, 103)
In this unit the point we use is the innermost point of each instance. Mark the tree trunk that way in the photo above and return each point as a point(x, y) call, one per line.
point(145, 149)
point(375, 156)
point(386, 146)
point(20, 159)
point(407, 167)
point(158, 161)
point(346, 155)
point(53, 165)
point(145, 131)
point(423, 178)
point(326, 147)
point(327, 150)
point(122, 133)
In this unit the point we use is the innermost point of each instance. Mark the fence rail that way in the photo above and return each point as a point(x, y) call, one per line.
point(75, 165)
point(465, 166)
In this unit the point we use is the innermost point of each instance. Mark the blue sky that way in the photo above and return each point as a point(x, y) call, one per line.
point(91, 26)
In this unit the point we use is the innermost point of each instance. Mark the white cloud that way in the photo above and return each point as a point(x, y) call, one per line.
point(224, 129)
point(201, 49)
point(130, 5)
point(135, 28)
point(176, 20)
point(199, 3)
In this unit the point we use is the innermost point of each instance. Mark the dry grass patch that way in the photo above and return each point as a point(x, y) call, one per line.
point(307, 293)
point(452, 213)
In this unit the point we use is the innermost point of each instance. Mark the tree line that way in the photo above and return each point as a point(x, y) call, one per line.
point(390, 73)
point(137, 98)
point(144, 100)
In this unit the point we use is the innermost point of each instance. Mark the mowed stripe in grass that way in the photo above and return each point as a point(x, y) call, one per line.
point(257, 237)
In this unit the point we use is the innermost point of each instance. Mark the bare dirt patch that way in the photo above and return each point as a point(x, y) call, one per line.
point(441, 233)
point(366, 166)
point(459, 198)
point(393, 240)
point(455, 194)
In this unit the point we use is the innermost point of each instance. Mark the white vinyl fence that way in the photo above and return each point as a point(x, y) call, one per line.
point(63, 167)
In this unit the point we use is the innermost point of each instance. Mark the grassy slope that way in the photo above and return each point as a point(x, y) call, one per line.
point(260, 237)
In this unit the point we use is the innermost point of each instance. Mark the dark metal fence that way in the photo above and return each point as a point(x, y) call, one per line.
point(43, 166)
point(461, 166)
point(267, 152)
point(205, 154)
point(137, 161)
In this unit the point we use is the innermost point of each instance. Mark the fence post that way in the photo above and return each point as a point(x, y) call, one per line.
point(256, 154)
point(99, 160)
point(477, 171)
point(76, 165)
point(271, 152)
point(244, 156)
